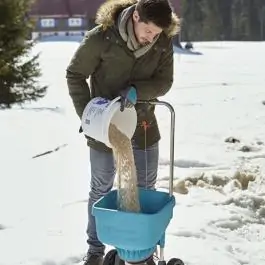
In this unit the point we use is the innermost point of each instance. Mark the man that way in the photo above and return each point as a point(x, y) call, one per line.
point(129, 53)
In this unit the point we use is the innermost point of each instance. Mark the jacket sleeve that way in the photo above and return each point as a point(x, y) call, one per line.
point(161, 81)
point(82, 65)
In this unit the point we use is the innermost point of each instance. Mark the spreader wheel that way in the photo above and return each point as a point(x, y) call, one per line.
point(111, 258)
point(175, 261)
point(150, 261)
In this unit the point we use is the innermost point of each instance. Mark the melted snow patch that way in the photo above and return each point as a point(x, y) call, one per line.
point(185, 163)
point(250, 201)
point(223, 183)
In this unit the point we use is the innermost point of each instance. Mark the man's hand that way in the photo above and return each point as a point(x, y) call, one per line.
point(128, 98)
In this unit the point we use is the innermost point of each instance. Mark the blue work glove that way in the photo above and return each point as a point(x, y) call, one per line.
point(128, 98)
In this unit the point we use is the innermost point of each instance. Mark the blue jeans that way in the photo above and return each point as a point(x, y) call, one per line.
point(102, 178)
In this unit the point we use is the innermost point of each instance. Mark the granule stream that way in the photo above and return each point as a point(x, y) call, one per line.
point(128, 199)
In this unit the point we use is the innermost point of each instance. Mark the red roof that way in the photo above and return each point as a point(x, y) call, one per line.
point(74, 7)
point(65, 7)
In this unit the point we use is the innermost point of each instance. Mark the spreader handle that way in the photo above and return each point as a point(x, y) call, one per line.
point(172, 137)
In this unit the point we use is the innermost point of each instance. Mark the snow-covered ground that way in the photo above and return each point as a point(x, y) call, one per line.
point(219, 217)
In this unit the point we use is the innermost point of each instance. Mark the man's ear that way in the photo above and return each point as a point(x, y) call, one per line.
point(136, 16)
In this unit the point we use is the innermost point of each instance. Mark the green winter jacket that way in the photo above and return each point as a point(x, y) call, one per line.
point(104, 58)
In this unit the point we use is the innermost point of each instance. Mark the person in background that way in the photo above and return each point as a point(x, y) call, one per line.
point(189, 46)
point(129, 54)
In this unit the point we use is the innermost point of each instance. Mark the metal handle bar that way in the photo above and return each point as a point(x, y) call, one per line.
point(172, 137)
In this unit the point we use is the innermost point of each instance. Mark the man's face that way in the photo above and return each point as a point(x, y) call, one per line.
point(144, 32)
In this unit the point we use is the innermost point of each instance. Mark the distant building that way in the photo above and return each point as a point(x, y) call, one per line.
point(63, 17)
point(67, 17)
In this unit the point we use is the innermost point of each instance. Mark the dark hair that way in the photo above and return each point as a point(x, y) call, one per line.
point(158, 12)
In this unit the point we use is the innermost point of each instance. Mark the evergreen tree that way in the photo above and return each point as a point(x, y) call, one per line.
point(224, 7)
point(192, 20)
point(223, 19)
point(18, 71)
point(212, 20)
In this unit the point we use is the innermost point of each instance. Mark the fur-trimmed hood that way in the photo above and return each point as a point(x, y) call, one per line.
point(109, 11)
